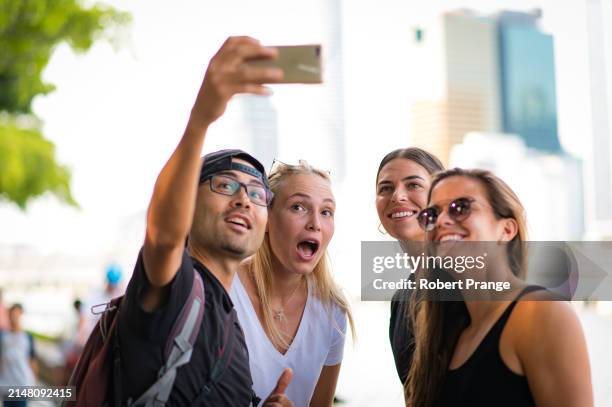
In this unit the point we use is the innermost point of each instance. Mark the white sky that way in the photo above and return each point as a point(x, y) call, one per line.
point(117, 115)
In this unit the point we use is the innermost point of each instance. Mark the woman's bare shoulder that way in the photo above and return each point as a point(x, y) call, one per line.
point(540, 318)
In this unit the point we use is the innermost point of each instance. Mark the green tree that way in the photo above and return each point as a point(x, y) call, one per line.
point(30, 30)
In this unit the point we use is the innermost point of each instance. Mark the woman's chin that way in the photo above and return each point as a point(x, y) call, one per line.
point(303, 267)
point(408, 234)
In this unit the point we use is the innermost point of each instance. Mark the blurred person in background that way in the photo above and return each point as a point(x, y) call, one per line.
point(510, 353)
point(76, 339)
point(99, 297)
point(293, 313)
point(114, 275)
point(18, 365)
point(4, 321)
point(79, 328)
point(112, 286)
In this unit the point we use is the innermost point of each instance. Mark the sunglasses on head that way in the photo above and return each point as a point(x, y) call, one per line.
point(277, 164)
point(458, 210)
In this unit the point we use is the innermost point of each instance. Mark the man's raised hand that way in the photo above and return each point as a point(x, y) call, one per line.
point(227, 75)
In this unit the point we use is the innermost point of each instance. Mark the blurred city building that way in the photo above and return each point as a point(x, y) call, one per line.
point(460, 92)
point(494, 79)
point(527, 74)
point(261, 128)
point(298, 121)
point(598, 171)
point(547, 184)
point(314, 128)
point(488, 74)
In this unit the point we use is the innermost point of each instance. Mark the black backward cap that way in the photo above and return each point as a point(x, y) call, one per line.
point(222, 161)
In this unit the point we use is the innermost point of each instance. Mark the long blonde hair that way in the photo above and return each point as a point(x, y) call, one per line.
point(260, 265)
point(437, 325)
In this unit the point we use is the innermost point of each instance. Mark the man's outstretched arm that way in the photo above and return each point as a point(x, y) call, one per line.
point(172, 205)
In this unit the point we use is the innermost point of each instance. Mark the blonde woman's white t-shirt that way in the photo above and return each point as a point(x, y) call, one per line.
point(319, 342)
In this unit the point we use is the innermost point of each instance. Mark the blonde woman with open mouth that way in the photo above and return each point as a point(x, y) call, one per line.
point(293, 314)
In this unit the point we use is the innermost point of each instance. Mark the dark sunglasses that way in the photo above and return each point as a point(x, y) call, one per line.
point(458, 209)
point(224, 185)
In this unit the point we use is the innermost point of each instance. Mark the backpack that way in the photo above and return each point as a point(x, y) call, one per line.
point(97, 375)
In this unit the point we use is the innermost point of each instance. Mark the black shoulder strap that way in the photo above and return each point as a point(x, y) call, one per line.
point(117, 378)
point(221, 364)
point(224, 359)
point(529, 289)
point(506, 315)
point(177, 350)
point(179, 346)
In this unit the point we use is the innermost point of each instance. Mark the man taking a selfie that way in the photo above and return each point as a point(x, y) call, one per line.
point(220, 206)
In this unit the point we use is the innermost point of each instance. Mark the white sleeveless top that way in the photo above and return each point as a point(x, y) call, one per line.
point(319, 342)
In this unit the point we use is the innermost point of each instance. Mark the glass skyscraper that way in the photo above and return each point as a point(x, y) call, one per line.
point(527, 75)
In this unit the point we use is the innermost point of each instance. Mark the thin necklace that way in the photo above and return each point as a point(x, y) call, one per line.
point(279, 314)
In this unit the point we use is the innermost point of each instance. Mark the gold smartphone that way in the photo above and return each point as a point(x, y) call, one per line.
point(300, 63)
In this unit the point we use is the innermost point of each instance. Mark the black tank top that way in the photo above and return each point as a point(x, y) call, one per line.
point(484, 379)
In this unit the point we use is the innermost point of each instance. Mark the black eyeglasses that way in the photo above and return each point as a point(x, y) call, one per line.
point(224, 185)
point(458, 209)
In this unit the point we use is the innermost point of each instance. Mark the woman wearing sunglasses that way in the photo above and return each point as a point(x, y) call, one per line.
point(293, 314)
point(503, 353)
point(402, 183)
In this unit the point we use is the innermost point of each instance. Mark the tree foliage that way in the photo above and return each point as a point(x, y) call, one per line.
point(28, 168)
point(30, 30)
